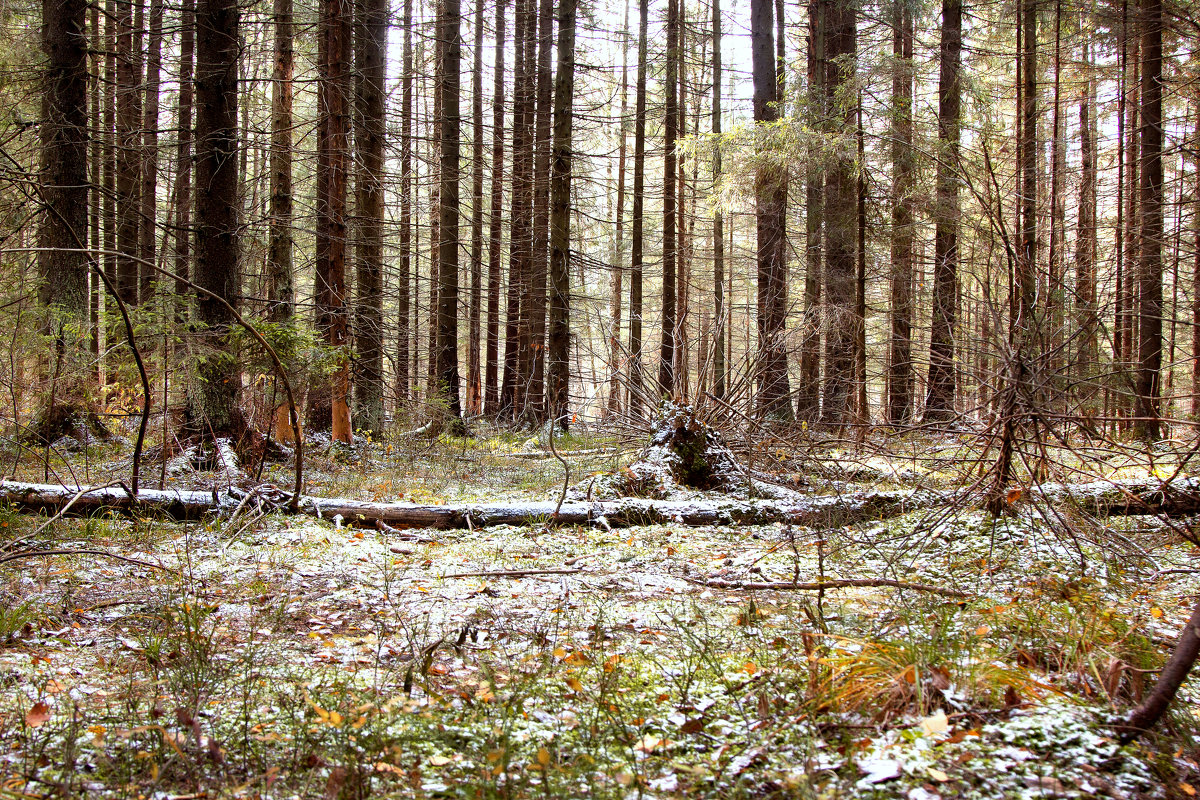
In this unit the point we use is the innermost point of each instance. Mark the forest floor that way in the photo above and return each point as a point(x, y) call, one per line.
point(275, 656)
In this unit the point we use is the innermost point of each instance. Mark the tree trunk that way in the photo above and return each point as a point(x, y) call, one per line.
point(639, 201)
point(491, 389)
point(329, 404)
point(63, 265)
point(618, 266)
point(841, 218)
point(1151, 228)
point(557, 355)
point(214, 403)
point(718, 326)
point(447, 273)
point(370, 54)
point(939, 402)
point(147, 232)
point(513, 390)
point(899, 384)
point(770, 214)
point(474, 302)
point(129, 147)
point(808, 394)
point(1026, 280)
point(535, 349)
point(280, 293)
point(666, 354)
point(1086, 312)
point(404, 238)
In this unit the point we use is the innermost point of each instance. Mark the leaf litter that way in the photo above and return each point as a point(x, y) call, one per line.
point(305, 657)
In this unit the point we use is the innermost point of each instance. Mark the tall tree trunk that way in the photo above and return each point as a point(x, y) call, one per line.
point(1150, 307)
point(841, 218)
point(474, 303)
point(329, 407)
point(770, 208)
point(1086, 317)
point(535, 350)
point(129, 148)
point(491, 389)
point(214, 403)
point(109, 168)
point(97, 137)
point(1026, 280)
point(370, 60)
point(666, 355)
point(512, 394)
point(447, 274)
point(63, 266)
point(557, 355)
point(900, 400)
point(182, 237)
point(939, 402)
point(1195, 406)
point(718, 328)
point(808, 394)
point(618, 267)
point(280, 292)
point(147, 238)
point(1055, 295)
point(639, 201)
point(404, 238)
point(434, 140)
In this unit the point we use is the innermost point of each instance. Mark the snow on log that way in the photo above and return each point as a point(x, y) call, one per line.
point(1102, 498)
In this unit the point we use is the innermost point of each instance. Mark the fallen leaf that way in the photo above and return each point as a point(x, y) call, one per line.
point(36, 717)
point(937, 775)
point(938, 723)
point(439, 761)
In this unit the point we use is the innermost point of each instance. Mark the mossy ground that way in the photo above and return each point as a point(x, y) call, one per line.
point(286, 657)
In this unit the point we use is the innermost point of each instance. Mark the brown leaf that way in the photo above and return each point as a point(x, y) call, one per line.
point(36, 717)
point(337, 777)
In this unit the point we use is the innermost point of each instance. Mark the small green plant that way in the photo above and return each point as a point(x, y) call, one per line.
point(16, 617)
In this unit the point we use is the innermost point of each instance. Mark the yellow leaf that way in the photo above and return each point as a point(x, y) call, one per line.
point(578, 659)
point(937, 775)
point(543, 756)
point(749, 668)
point(938, 723)
point(575, 685)
point(439, 761)
point(560, 653)
point(982, 630)
point(1156, 612)
point(495, 755)
point(611, 663)
point(1187, 788)
point(648, 743)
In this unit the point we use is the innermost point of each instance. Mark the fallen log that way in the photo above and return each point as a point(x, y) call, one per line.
point(1103, 498)
point(841, 583)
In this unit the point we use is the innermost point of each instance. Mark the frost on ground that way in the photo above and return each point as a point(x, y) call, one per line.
point(288, 657)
